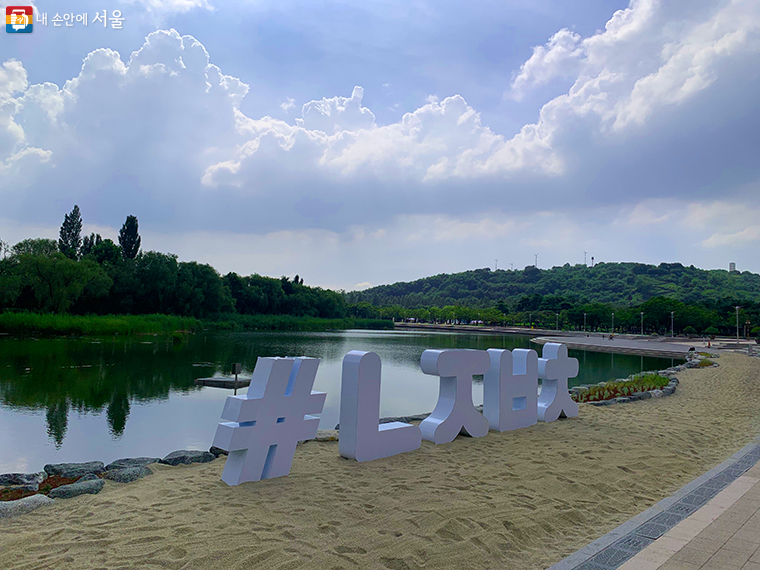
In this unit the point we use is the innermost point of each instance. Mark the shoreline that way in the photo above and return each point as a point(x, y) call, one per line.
point(522, 499)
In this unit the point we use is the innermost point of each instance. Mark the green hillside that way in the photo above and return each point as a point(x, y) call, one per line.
point(702, 300)
point(624, 284)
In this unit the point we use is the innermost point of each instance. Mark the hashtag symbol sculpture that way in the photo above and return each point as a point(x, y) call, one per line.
point(269, 421)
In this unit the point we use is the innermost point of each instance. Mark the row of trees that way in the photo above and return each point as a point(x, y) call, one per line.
point(92, 275)
point(556, 312)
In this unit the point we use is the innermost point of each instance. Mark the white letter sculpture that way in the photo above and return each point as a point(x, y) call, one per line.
point(361, 437)
point(510, 389)
point(270, 419)
point(454, 411)
point(554, 369)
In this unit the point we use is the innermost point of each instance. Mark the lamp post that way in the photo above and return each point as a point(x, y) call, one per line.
point(584, 322)
point(530, 320)
point(613, 323)
point(642, 323)
point(737, 321)
point(672, 313)
point(556, 328)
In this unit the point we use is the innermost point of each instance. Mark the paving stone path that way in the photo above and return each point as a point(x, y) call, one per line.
point(711, 523)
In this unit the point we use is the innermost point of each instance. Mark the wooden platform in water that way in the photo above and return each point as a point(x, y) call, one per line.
point(228, 383)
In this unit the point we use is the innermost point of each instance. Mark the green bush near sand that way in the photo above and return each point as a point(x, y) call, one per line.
point(35, 324)
point(291, 323)
point(621, 388)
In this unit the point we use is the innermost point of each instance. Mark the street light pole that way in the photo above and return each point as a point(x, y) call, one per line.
point(642, 323)
point(613, 323)
point(672, 313)
point(584, 322)
point(737, 322)
point(557, 327)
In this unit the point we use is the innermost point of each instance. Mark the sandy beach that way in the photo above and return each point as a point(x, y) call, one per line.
point(518, 500)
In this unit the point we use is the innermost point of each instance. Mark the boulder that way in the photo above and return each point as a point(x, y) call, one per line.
point(217, 451)
point(327, 435)
point(622, 400)
point(127, 474)
point(10, 509)
point(643, 395)
point(187, 456)
point(656, 393)
point(74, 469)
point(668, 390)
point(132, 462)
point(22, 479)
point(86, 487)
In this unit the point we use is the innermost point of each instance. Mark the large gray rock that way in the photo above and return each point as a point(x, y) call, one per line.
point(187, 456)
point(132, 462)
point(74, 469)
point(327, 435)
point(87, 487)
point(22, 479)
point(217, 451)
point(10, 509)
point(128, 474)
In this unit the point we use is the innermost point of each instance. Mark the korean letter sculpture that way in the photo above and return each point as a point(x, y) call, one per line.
point(362, 437)
point(270, 419)
point(554, 369)
point(454, 411)
point(510, 389)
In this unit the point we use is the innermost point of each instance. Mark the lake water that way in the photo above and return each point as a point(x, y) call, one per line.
point(84, 400)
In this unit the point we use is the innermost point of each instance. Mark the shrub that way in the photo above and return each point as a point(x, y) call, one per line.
point(618, 388)
point(712, 331)
point(704, 363)
point(690, 331)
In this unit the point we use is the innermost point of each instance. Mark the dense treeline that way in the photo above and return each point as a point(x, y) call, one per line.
point(615, 283)
point(97, 276)
point(700, 301)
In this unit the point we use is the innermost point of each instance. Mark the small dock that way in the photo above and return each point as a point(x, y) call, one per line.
point(229, 383)
point(658, 348)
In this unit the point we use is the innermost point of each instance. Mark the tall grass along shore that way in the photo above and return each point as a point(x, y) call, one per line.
point(35, 324)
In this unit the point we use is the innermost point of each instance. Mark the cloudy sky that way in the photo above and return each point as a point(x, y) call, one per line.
point(361, 143)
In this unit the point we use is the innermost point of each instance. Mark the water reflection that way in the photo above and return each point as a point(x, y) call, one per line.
point(72, 382)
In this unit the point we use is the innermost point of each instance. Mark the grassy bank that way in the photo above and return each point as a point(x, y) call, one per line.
point(33, 324)
point(291, 323)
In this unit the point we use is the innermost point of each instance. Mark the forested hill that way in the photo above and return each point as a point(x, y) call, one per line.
point(623, 284)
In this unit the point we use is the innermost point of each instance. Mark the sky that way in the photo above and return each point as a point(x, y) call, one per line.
point(357, 144)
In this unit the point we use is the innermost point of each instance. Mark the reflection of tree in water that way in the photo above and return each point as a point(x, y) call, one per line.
point(89, 376)
point(57, 421)
point(117, 414)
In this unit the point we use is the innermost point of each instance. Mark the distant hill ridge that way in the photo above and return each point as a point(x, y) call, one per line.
point(625, 284)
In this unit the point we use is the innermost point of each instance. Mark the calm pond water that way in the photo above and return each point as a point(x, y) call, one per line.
point(84, 400)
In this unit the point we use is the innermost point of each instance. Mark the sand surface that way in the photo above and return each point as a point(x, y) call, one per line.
point(519, 500)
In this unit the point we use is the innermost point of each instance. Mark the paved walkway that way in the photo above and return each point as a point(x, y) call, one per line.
point(624, 345)
point(713, 523)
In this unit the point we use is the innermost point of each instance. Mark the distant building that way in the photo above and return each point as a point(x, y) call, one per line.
point(732, 267)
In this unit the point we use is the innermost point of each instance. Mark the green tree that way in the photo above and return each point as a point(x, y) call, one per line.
point(70, 234)
point(89, 242)
point(57, 281)
point(129, 238)
point(106, 252)
point(39, 246)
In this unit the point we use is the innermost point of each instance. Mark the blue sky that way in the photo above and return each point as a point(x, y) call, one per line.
point(360, 144)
